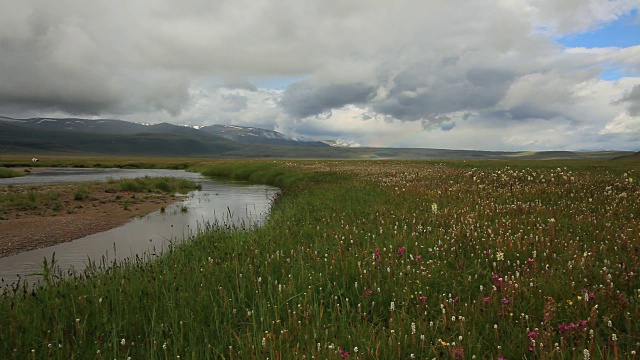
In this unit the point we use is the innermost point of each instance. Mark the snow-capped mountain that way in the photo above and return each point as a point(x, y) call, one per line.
point(120, 127)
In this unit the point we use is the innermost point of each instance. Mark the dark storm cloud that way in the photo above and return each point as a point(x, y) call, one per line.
point(303, 99)
point(51, 60)
point(422, 92)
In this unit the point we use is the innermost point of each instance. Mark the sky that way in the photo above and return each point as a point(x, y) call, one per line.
point(510, 75)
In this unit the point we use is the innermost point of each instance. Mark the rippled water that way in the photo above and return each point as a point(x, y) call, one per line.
point(221, 202)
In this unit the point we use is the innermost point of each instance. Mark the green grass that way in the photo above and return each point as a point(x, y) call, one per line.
point(393, 259)
point(36, 200)
point(9, 173)
point(162, 184)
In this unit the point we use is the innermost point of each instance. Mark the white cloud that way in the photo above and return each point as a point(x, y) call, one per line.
point(443, 73)
point(624, 124)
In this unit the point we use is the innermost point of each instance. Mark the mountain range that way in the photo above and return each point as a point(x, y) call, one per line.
point(74, 136)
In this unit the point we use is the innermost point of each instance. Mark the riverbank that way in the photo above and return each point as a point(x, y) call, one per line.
point(33, 217)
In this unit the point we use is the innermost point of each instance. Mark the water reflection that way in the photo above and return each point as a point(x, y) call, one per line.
point(228, 203)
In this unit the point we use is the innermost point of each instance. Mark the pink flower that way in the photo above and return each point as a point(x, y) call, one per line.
point(422, 298)
point(565, 328)
point(486, 299)
point(400, 250)
point(344, 354)
point(368, 292)
point(505, 301)
point(458, 353)
point(377, 255)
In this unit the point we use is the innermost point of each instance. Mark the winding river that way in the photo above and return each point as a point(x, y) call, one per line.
point(223, 203)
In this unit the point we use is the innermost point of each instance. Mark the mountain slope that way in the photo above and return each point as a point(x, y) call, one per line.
point(255, 135)
point(22, 139)
point(102, 126)
point(44, 136)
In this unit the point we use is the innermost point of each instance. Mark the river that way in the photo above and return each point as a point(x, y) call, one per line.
point(223, 203)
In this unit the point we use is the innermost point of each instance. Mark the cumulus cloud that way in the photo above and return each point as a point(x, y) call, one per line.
point(402, 73)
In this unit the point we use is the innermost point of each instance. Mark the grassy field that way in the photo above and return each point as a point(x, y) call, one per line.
point(53, 200)
point(370, 260)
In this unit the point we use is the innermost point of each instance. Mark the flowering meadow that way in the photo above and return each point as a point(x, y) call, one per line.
point(369, 260)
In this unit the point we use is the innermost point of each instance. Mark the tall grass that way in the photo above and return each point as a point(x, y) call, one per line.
point(9, 173)
point(369, 260)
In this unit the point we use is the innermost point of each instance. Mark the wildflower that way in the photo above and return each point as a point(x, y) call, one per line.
point(486, 299)
point(505, 301)
point(422, 298)
point(368, 292)
point(377, 255)
point(392, 307)
point(499, 255)
point(400, 251)
point(434, 207)
point(344, 354)
point(458, 353)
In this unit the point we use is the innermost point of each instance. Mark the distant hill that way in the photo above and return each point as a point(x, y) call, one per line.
point(632, 157)
point(22, 139)
point(102, 126)
point(110, 126)
point(256, 135)
point(72, 136)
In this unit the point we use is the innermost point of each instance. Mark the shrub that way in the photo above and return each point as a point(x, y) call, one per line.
point(81, 194)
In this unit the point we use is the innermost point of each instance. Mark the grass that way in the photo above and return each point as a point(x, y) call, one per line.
point(9, 173)
point(370, 260)
point(42, 200)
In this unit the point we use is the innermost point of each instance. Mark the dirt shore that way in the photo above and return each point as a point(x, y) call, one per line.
point(68, 218)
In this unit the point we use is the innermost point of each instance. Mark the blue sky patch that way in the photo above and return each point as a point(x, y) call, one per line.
point(623, 32)
point(613, 73)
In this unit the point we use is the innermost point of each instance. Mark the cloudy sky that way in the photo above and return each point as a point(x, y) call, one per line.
point(458, 74)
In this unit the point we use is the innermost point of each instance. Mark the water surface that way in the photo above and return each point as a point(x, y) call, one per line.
point(217, 202)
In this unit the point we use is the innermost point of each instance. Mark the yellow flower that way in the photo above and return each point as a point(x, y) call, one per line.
point(569, 302)
point(579, 297)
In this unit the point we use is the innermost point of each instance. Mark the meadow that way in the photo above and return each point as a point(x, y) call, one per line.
point(368, 260)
